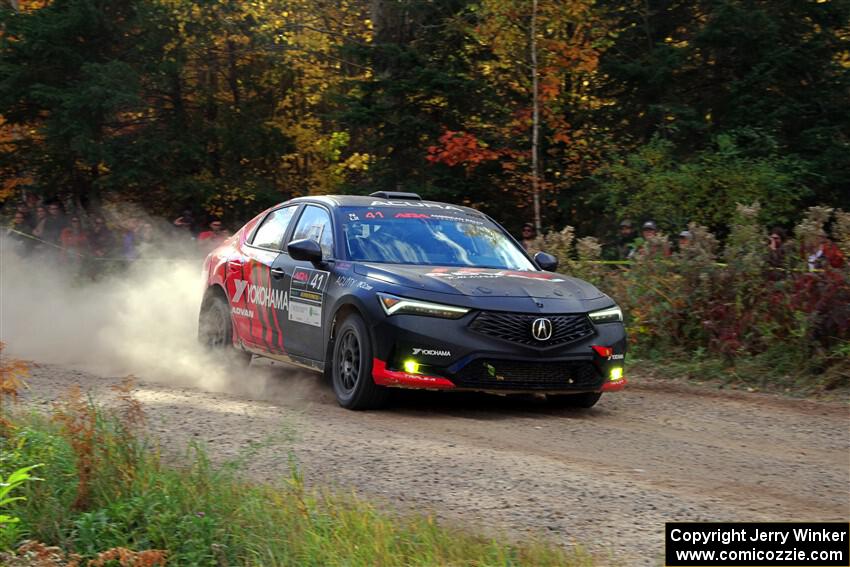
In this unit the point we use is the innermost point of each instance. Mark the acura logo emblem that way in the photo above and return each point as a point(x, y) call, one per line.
point(541, 329)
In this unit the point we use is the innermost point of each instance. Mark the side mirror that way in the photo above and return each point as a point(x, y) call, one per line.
point(306, 250)
point(546, 261)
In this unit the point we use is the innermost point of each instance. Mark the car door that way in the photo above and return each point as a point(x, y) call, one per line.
point(308, 285)
point(258, 295)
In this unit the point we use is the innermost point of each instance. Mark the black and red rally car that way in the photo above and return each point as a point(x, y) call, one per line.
point(389, 290)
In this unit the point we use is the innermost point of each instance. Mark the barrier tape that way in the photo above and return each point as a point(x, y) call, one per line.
point(85, 256)
point(596, 262)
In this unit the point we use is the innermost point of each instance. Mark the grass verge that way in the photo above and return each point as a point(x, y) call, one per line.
point(107, 495)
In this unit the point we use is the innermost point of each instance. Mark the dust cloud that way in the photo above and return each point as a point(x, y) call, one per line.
point(138, 319)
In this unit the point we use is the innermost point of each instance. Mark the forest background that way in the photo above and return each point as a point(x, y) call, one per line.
point(728, 117)
point(671, 110)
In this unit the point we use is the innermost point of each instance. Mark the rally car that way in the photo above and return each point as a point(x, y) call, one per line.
point(392, 291)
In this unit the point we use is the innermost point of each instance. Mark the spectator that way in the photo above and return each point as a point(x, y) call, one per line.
point(25, 210)
point(18, 234)
point(101, 239)
point(130, 240)
point(777, 244)
point(684, 239)
point(626, 240)
point(74, 241)
point(186, 221)
point(40, 222)
point(210, 239)
point(650, 243)
point(529, 235)
point(54, 224)
point(826, 254)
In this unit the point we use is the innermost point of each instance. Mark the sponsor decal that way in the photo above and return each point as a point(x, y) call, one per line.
point(412, 216)
point(457, 219)
point(307, 296)
point(306, 313)
point(616, 357)
point(348, 281)
point(432, 352)
point(374, 215)
point(259, 295)
point(242, 312)
point(414, 204)
point(480, 274)
point(353, 217)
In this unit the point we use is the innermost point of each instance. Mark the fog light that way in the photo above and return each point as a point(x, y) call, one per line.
point(616, 374)
point(411, 367)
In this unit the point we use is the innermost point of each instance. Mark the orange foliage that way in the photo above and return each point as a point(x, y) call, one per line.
point(37, 554)
point(13, 374)
point(129, 558)
point(92, 447)
point(78, 419)
point(461, 148)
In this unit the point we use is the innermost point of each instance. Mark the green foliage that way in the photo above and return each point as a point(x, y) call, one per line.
point(654, 182)
point(206, 515)
point(763, 324)
point(15, 479)
point(676, 110)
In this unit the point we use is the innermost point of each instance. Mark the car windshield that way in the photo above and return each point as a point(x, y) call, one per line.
point(427, 237)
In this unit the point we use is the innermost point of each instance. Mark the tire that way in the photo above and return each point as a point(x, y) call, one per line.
point(215, 332)
point(351, 373)
point(584, 400)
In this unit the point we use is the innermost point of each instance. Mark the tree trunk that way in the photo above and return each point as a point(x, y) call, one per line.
point(535, 124)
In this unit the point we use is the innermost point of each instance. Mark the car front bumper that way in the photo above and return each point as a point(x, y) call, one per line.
point(455, 355)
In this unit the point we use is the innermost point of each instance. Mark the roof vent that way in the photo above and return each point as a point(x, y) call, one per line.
point(396, 195)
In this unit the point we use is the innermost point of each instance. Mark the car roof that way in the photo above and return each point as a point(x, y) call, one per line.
point(335, 201)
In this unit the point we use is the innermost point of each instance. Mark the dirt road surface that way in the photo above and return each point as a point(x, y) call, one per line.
point(607, 478)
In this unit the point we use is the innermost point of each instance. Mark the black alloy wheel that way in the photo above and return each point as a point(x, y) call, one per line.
point(215, 331)
point(352, 367)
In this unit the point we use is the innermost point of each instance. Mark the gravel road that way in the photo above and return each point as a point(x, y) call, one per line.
point(607, 478)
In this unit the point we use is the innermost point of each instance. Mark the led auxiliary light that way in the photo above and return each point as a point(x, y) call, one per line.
point(411, 366)
point(616, 374)
point(394, 305)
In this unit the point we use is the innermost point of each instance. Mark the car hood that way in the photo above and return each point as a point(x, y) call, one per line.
point(481, 282)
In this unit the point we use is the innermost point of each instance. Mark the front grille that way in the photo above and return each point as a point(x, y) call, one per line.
point(516, 327)
point(528, 376)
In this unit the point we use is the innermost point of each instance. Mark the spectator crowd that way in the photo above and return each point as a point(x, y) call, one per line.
point(75, 237)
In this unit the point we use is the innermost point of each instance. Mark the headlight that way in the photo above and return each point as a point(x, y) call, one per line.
point(400, 306)
point(609, 315)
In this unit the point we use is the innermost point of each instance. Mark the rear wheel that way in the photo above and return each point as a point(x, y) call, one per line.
point(583, 400)
point(215, 331)
point(351, 373)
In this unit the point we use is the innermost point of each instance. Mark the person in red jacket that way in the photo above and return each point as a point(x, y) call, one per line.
point(826, 254)
point(210, 239)
point(74, 241)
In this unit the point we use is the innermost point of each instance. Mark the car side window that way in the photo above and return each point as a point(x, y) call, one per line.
point(271, 232)
point(315, 224)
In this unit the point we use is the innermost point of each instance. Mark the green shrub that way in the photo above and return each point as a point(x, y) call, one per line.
point(782, 325)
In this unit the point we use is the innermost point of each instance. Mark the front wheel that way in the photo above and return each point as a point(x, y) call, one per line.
point(351, 373)
point(584, 400)
point(215, 332)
